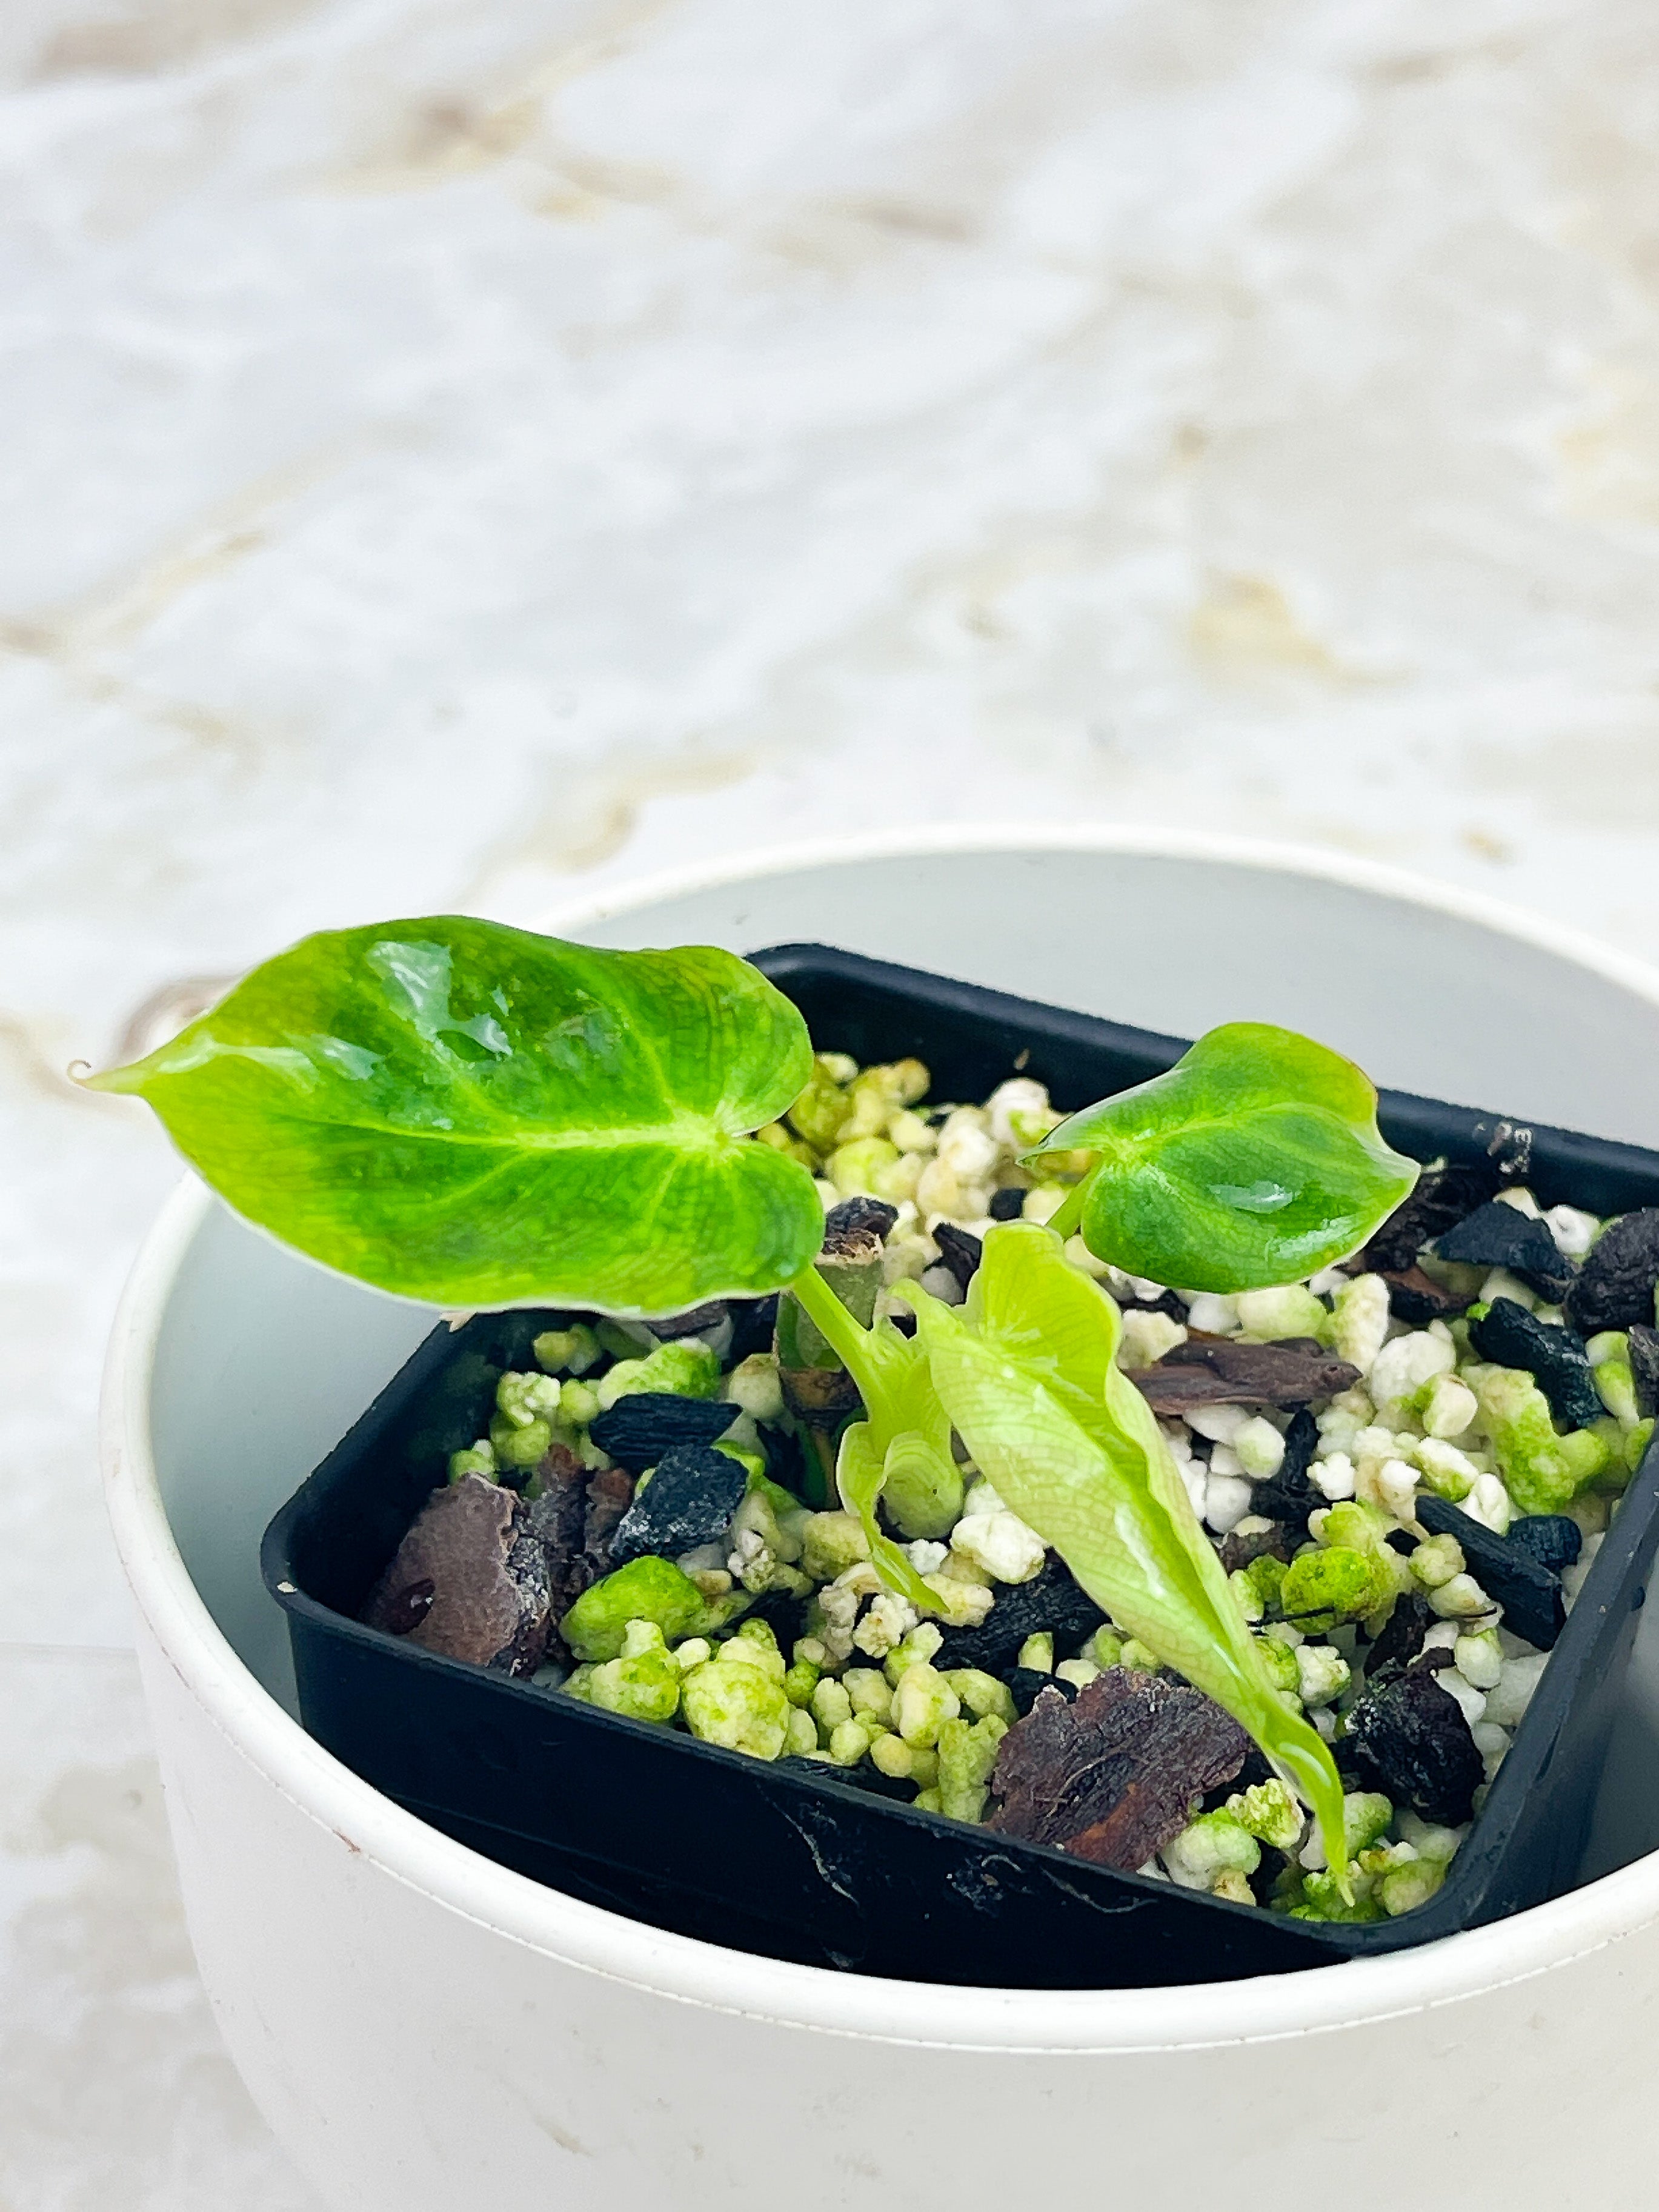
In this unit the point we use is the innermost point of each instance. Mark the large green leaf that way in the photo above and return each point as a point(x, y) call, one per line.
point(1026, 1373)
point(1254, 1161)
point(470, 1114)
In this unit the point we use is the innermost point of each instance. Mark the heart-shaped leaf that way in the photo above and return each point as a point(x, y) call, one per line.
point(1256, 1160)
point(1026, 1374)
point(470, 1114)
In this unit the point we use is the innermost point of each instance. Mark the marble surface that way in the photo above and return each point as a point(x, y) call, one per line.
point(458, 453)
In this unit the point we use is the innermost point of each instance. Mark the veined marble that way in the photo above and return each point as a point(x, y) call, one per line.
point(455, 453)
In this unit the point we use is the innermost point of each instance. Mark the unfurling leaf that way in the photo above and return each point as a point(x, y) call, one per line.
point(902, 1445)
point(1026, 1374)
point(1256, 1160)
point(473, 1116)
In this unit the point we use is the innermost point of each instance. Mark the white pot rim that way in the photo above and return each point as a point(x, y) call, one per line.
point(678, 1967)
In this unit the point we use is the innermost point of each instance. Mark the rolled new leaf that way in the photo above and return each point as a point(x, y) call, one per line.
point(474, 1116)
point(1026, 1374)
point(1255, 1160)
point(902, 1446)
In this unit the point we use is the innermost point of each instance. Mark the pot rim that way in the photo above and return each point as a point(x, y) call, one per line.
point(1190, 2017)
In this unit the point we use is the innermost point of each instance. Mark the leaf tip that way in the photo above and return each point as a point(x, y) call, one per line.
point(110, 1081)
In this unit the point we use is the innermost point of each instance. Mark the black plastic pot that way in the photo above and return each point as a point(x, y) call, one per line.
point(787, 1860)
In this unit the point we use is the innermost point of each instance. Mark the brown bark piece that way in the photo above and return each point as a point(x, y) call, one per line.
point(820, 1396)
point(1415, 1297)
point(1114, 1776)
point(572, 1520)
point(558, 1520)
point(1277, 1541)
point(486, 1574)
point(1290, 1372)
point(1441, 1198)
point(610, 1494)
point(853, 1229)
point(696, 1320)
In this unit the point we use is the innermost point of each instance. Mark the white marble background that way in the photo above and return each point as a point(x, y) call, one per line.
point(458, 451)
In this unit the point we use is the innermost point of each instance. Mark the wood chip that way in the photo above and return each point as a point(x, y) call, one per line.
point(487, 1577)
point(1288, 1373)
point(1115, 1775)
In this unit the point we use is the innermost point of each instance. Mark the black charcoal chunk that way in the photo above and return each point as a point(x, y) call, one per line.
point(754, 1323)
point(784, 1613)
point(1530, 1594)
point(1346, 1759)
point(469, 1581)
point(689, 1501)
point(1553, 1539)
point(904, 1323)
point(1411, 1738)
point(1301, 1447)
point(1255, 1772)
point(1644, 1367)
point(639, 1429)
point(1007, 1205)
point(1288, 1496)
point(1614, 1289)
point(960, 1250)
point(1499, 1235)
point(1400, 1638)
point(1027, 1684)
point(1442, 1198)
point(1052, 1600)
point(848, 1225)
point(1509, 1336)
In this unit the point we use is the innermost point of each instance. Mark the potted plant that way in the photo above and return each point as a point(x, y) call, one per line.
point(231, 1352)
point(477, 1116)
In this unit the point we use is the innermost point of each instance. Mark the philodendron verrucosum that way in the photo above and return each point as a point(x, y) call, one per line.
point(473, 1117)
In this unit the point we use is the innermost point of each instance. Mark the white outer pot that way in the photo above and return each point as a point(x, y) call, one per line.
point(423, 2029)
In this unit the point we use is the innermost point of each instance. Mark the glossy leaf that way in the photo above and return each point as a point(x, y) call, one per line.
point(1026, 1372)
point(1256, 1160)
point(473, 1116)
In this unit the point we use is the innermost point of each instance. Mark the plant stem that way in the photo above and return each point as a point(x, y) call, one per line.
point(1069, 1212)
point(819, 1463)
point(834, 1325)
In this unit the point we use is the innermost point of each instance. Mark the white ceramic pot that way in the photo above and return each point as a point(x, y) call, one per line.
point(424, 2030)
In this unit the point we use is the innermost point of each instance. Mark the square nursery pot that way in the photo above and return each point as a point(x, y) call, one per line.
point(790, 1863)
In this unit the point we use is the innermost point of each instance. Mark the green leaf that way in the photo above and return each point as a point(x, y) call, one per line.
point(1256, 1160)
point(470, 1114)
point(1026, 1373)
point(902, 1443)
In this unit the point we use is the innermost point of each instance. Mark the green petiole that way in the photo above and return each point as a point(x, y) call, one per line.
point(844, 1336)
point(1066, 1216)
